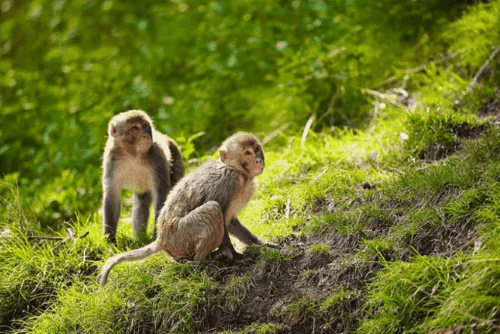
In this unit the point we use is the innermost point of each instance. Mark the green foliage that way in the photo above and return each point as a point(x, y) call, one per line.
point(333, 301)
point(58, 202)
point(372, 168)
point(475, 35)
point(235, 288)
point(442, 292)
point(189, 65)
point(187, 146)
point(13, 215)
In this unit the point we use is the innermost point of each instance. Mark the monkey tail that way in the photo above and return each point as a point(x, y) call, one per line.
point(133, 255)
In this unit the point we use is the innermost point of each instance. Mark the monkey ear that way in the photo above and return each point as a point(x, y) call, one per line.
point(112, 130)
point(224, 155)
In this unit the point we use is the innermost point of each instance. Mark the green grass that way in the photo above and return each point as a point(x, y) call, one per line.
point(407, 293)
point(138, 298)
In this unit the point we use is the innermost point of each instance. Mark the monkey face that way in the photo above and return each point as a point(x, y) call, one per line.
point(249, 159)
point(243, 152)
point(134, 134)
point(139, 134)
point(253, 159)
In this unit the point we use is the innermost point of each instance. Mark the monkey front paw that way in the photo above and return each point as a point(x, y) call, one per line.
point(271, 244)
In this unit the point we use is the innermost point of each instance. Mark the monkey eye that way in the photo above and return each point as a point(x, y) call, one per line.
point(145, 125)
point(135, 127)
point(247, 153)
point(257, 149)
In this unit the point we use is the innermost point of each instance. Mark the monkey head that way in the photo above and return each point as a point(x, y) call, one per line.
point(244, 152)
point(132, 130)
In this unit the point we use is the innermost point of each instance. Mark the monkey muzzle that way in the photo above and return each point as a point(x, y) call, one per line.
point(259, 166)
point(146, 135)
point(144, 140)
point(147, 131)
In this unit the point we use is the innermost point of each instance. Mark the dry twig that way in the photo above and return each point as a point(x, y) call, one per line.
point(480, 72)
point(307, 128)
point(71, 235)
point(385, 97)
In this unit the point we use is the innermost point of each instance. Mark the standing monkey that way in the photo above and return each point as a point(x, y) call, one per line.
point(201, 209)
point(140, 159)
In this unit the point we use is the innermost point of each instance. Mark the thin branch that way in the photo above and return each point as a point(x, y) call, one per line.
point(71, 235)
point(383, 96)
point(480, 72)
point(50, 237)
point(307, 127)
point(287, 209)
point(331, 104)
point(320, 174)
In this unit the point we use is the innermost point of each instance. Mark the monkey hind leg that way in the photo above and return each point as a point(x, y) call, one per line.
point(198, 233)
point(111, 207)
point(133, 255)
point(140, 212)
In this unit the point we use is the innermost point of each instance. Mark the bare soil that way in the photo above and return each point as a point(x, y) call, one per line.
point(437, 151)
point(304, 276)
point(491, 107)
point(314, 277)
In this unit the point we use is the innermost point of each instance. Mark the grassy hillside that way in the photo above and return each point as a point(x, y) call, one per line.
point(386, 209)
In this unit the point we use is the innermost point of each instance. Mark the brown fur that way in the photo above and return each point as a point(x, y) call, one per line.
point(201, 209)
point(140, 159)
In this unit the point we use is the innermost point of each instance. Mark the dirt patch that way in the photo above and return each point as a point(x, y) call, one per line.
point(491, 107)
point(438, 151)
point(321, 205)
point(444, 240)
point(466, 131)
point(273, 288)
point(391, 213)
point(449, 191)
point(367, 185)
point(377, 227)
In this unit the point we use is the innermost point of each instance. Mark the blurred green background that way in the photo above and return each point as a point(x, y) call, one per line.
point(66, 67)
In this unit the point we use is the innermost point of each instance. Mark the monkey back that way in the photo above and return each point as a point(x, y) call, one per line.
point(213, 181)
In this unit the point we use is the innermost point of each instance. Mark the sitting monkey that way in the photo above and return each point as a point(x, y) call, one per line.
point(140, 159)
point(201, 209)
